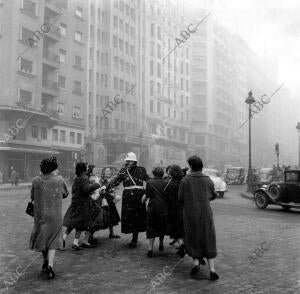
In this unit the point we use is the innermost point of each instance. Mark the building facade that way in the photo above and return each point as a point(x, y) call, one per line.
point(43, 80)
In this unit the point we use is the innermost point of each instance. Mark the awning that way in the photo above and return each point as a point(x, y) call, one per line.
point(29, 150)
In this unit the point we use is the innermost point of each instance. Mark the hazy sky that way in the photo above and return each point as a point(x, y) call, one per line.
point(268, 26)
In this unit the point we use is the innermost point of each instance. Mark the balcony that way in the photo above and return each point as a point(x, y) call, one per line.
point(51, 58)
point(57, 6)
point(50, 87)
point(54, 32)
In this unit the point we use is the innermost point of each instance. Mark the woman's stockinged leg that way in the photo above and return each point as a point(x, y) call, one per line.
point(211, 264)
point(51, 256)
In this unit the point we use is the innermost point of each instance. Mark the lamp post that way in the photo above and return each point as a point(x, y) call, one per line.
point(298, 128)
point(250, 100)
point(277, 153)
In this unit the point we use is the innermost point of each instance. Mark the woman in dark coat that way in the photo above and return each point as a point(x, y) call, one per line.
point(78, 215)
point(176, 230)
point(157, 213)
point(109, 195)
point(133, 215)
point(195, 192)
point(47, 193)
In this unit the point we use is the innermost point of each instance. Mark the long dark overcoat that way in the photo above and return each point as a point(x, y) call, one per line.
point(195, 192)
point(157, 213)
point(78, 215)
point(176, 230)
point(133, 214)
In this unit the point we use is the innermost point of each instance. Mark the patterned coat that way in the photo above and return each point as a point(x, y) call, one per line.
point(133, 214)
point(47, 193)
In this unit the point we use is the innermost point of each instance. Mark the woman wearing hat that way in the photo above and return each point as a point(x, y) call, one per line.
point(133, 214)
point(47, 193)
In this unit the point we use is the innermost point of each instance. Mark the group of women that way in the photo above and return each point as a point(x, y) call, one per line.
point(178, 206)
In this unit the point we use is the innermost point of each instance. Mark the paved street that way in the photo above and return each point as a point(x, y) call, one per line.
point(112, 268)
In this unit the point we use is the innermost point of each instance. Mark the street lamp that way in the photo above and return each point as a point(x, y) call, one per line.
point(250, 100)
point(298, 128)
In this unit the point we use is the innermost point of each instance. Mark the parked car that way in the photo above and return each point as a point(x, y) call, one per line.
point(234, 175)
point(266, 175)
point(285, 193)
point(220, 185)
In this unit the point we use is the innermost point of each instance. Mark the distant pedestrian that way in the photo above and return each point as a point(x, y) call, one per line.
point(133, 216)
point(1, 178)
point(195, 192)
point(78, 214)
point(176, 230)
point(14, 177)
point(157, 213)
point(47, 193)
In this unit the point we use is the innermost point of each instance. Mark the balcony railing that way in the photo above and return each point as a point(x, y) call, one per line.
point(51, 56)
point(52, 85)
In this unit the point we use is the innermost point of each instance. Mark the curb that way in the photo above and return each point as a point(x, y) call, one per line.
point(15, 188)
point(246, 195)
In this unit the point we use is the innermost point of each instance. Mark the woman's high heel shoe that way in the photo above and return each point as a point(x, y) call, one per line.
point(214, 276)
point(51, 274)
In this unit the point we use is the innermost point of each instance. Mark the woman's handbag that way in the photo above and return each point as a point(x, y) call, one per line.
point(29, 209)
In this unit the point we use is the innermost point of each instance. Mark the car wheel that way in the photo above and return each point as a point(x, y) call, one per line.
point(286, 207)
point(274, 192)
point(261, 200)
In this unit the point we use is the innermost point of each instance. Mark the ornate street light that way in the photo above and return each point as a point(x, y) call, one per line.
point(250, 100)
point(298, 128)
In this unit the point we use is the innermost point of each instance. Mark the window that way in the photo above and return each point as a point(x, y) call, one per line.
point(122, 5)
point(62, 136)
point(152, 30)
point(158, 90)
point(127, 67)
point(116, 62)
point(27, 35)
point(115, 83)
point(25, 97)
point(126, 48)
point(131, 51)
point(132, 33)
point(79, 12)
point(62, 55)
point(98, 100)
point(35, 132)
point(121, 64)
point(63, 29)
point(26, 66)
point(77, 87)
point(78, 36)
point(158, 106)
point(159, 70)
point(76, 112)
point(121, 25)
point(79, 138)
point(115, 21)
point(159, 33)
point(117, 124)
point(127, 28)
point(60, 108)
point(158, 51)
point(151, 68)
point(115, 41)
point(121, 44)
point(61, 82)
point(151, 88)
point(291, 177)
point(44, 133)
point(187, 85)
point(72, 137)
point(55, 135)
point(151, 106)
point(132, 69)
point(29, 7)
point(106, 123)
point(121, 85)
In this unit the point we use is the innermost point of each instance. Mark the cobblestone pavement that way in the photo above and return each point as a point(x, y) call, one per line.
point(242, 230)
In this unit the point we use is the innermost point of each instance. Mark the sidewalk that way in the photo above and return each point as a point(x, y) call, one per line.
point(8, 186)
point(247, 195)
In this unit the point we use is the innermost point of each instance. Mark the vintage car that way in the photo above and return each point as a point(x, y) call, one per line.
point(220, 185)
point(285, 193)
point(234, 175)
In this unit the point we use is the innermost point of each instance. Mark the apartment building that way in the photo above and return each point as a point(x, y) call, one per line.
point(167, 104)
point(218, 85)
point(43, 81)
point(116, 68)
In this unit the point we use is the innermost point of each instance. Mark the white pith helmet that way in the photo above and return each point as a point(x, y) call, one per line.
point(130, 157)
